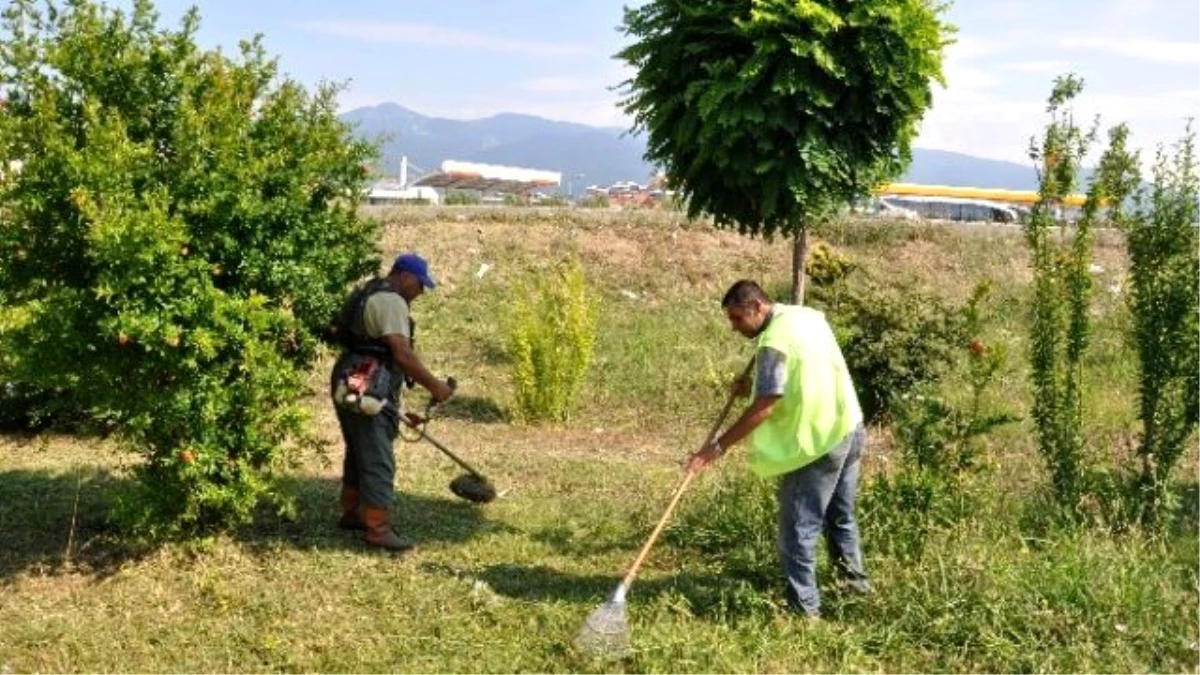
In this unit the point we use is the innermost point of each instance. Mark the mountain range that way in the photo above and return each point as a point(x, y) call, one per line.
point(587, 155)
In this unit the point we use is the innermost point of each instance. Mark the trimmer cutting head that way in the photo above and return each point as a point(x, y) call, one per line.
point(473, 488)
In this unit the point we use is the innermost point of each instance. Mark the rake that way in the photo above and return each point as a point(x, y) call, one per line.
point(605, 634)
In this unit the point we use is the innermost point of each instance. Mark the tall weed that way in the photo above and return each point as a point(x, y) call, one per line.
point(551, 341)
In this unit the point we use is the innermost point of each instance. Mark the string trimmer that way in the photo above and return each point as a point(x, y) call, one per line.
point(471, 486)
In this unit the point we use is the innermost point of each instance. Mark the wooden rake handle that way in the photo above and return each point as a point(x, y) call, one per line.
point(679, 490)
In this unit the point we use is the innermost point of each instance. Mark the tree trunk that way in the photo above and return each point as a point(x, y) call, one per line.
point(799, 254)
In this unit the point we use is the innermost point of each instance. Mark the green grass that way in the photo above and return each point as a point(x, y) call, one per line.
point(503, 588)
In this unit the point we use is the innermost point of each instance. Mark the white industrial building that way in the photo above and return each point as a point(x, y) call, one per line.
point(455, 175)
point(392, 192)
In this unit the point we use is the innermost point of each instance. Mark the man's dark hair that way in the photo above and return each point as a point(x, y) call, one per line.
point(742, 293)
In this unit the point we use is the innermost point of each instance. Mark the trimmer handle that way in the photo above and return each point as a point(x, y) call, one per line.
point(433, 405)
point(430, 407)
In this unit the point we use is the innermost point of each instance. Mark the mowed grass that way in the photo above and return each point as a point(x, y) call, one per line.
point(504, 587)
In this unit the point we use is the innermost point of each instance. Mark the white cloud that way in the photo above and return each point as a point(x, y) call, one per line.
point(554, 85)
point(988, 125)
point(981, 125)
point(968, 47)
point(960, 74)
point(990, 107)
point(1012, 12)
point(1124, 17)
point(1138, 48)
point(437, 36)
point(1165, 106)
point(961, 77)
point(1043, 67)
point(983, 111)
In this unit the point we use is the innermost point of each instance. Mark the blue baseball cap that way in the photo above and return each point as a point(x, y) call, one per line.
point(415, 265)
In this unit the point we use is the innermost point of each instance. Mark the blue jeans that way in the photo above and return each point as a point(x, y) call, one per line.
point(820, 497)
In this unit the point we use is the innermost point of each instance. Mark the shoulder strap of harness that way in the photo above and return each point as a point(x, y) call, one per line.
point(352, 326)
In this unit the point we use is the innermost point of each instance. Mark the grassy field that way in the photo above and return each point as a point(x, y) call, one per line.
point(503, 588)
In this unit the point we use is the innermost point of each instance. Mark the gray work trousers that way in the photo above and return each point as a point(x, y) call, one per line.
point(370, 462)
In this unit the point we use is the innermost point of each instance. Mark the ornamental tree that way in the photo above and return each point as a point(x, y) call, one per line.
point(771, 115)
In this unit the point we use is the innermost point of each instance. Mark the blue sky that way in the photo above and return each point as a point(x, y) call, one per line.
point(466, 59)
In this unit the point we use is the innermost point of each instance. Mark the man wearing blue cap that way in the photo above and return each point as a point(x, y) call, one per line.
point(375, 324)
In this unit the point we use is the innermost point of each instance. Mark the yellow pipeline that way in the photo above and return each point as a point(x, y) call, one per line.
point(990, 194)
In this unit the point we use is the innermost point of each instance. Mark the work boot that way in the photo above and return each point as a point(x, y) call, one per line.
point(380, 532)
point(350, 519)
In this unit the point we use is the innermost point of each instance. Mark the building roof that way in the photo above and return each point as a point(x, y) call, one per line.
point(990, 194)
point(489, 177)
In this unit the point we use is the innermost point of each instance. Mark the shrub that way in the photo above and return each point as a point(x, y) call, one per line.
point(551, 340)
point(1161, 234)
point(181, 229)
point(553, 201)
point(461, 198)
point(1057, 342)
point(827, 266)
point(929, 491)
point(941, 438)
point(894, 341)
point(594, 202)
point(25, 409)
point(1060, 328)
point(939, 444)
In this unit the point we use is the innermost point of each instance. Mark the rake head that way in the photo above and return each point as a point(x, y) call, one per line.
point(605, 634)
